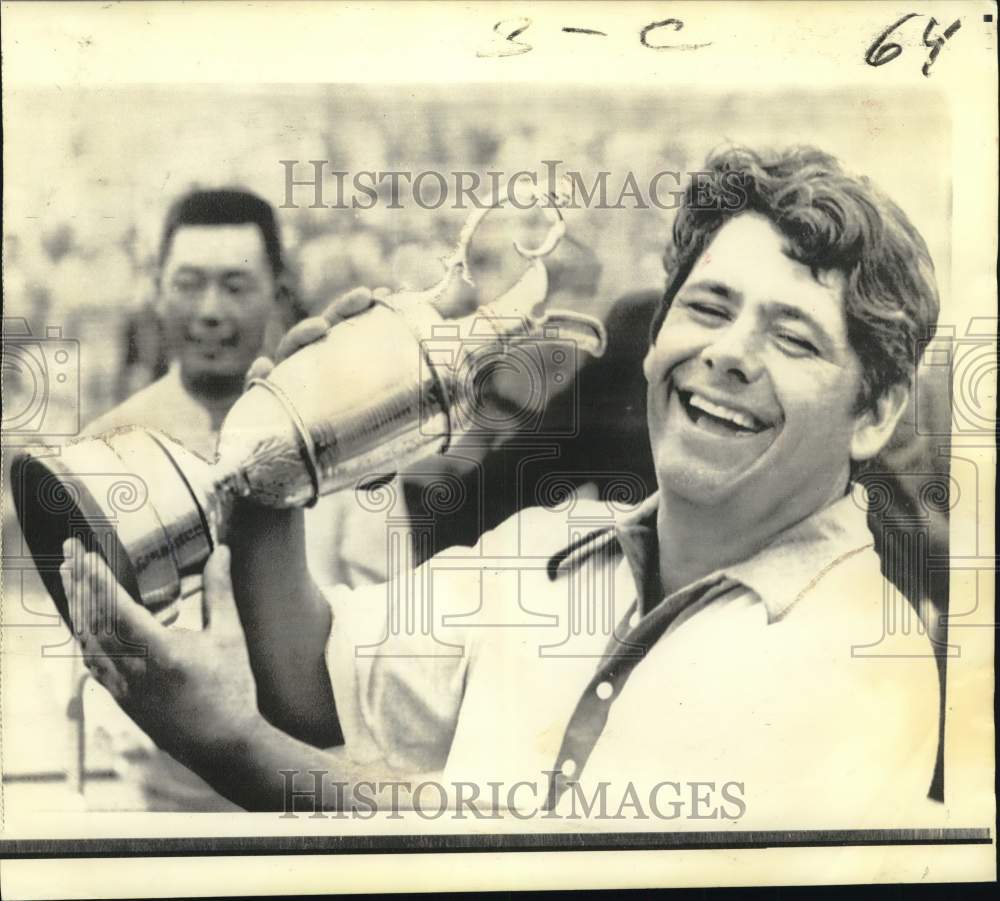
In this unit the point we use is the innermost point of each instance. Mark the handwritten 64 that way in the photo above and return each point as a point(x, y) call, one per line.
point(883, 51)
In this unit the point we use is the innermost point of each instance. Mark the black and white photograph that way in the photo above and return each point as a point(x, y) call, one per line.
point(562, 434)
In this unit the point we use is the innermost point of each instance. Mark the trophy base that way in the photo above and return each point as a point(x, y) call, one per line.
point(125, 496)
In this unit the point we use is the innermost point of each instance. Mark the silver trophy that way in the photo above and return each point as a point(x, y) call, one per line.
point(382, 390)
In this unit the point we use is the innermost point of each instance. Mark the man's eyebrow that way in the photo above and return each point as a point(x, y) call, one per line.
point(719, 289)
point(227, 271)
point(187, 269)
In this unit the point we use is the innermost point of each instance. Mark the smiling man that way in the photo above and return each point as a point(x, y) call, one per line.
point(757, 399)
point(220, 278)
point(694, 661)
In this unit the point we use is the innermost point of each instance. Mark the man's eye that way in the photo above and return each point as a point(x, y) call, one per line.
point(797, 345)
point(707, 310)
point(238, 286)
point(187, 283)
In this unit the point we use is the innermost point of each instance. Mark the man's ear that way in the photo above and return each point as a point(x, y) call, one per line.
point(874, 427)
point(287, 297)
point(647, 361)
point(155, 297)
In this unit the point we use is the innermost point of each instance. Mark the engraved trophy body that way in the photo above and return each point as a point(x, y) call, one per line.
point(381, 390)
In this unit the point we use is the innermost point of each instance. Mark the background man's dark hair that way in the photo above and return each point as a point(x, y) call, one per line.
point(833, 221)
point(227, 206)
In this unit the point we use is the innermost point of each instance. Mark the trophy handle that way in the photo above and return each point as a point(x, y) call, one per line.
point(587, 332)
point(556, 232)
point(458, 259)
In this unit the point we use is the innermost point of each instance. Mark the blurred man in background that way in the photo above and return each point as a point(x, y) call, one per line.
point(221, 286)
point(221, 282)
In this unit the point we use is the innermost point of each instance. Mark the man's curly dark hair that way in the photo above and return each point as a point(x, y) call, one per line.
point(834, 221)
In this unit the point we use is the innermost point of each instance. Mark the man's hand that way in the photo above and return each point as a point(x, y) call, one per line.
point(315, 327)
point(193, 693)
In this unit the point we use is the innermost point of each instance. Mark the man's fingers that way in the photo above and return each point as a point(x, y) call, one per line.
point(102, 611)
point(72, 571)
point(220, 606)
point(79, 574)
point(315, 327)
point(259, 369)
point(350, 304)
point(104, 669)
point(307, 331)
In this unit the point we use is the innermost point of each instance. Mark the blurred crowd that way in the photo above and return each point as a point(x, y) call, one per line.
point(80, 241)
point(82, 260)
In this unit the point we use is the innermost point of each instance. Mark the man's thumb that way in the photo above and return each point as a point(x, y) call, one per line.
point(259, 369)
point(220, 605)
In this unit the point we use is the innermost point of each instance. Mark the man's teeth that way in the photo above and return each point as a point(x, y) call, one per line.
point(719, 412)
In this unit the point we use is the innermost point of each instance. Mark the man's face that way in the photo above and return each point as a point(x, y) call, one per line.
point(752, 383)
point(218, 291)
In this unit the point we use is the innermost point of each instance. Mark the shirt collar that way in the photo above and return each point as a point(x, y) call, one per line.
point(637, 537)
point(790, 565)
point(779, 574)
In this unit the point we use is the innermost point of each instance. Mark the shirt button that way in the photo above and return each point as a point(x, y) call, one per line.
point(568, 768)
point(605, 690)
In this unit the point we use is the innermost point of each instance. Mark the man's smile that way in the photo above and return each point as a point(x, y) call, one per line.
point(717, 430)
point(716, 416)
point(212, 344)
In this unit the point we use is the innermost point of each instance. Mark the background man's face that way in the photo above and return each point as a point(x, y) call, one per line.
point(218, 291)
point(752, 383)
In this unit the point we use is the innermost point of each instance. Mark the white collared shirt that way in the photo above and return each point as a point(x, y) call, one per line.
point(492, 664)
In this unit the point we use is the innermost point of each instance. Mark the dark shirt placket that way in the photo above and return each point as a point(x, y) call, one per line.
point(619, 661)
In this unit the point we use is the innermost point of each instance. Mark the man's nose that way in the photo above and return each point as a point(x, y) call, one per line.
point(211, 308)
point(735, 353)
